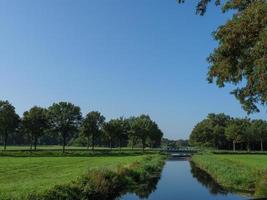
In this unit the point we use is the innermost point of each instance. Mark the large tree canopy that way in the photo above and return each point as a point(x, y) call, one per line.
point(64, 118)
point(91, 126)
point(9, 120)
point(35, 122)
point(241, 56)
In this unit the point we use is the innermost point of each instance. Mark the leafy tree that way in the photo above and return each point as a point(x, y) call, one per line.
point(142, 125)
point(122, 130)
point(155, 136)
point(110, 129)
point(9, 120)
point(64, 118)
point(240, 58)
point(132, 133)
point(259, 127)
point(218, 123)
point(202, 134)
point(235, 131)
point(91, 126)
point(248, 134)
point(35, 122)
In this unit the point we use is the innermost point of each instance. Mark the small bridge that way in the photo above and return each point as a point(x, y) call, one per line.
point(180, 153)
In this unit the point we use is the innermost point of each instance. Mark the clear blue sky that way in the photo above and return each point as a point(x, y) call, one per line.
point(121, 57)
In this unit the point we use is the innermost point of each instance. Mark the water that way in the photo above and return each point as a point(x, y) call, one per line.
point(180, 179)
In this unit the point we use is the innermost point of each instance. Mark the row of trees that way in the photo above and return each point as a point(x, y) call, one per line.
point(63, 123)
point(221, 131)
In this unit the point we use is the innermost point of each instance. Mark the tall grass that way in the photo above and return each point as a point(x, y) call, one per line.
point(105, 183)
point(235, 172)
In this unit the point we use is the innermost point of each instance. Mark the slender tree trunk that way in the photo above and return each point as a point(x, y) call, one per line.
point(248, 146)
point(132, 145)
point(233, 146)
point(31, 142)
point(261, 145)
point(64, 143)
point(88, 142)
point(110, 144)
point(93, 142)
point(120, 144)
point(5, 140)
point(143, 146)
point(35, 143)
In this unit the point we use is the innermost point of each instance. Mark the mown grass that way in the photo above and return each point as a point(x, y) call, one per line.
point(138, 177)
point(21, 175)
point(235, 172)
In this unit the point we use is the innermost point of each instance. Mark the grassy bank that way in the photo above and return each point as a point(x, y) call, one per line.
point(21, 175)
point(108, 183)
point(242, 173)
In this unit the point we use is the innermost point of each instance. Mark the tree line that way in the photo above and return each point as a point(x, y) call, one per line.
point(221, 131)
point(63, 123)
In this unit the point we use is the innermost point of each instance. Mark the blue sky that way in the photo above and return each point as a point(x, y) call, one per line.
point(121, 57)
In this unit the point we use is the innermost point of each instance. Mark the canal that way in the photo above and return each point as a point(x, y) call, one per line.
point(180, 179)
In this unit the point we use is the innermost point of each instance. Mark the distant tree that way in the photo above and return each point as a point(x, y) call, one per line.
point(235, 131)
point(132, 133)
point(91, 126)
point(155, 136)
point(122, 131)
point(64, 118)
point(218, 123)
point(202, 134)
point(35, 123)
point(259, 127)
point(9, 120)
point(247, 132)
point(142, 126)
point(110, 129)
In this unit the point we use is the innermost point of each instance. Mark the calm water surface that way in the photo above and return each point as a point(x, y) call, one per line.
point(180, 179)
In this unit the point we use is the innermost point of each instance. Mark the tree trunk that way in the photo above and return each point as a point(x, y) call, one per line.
point(261, 145)
point(5, 140)
point(88, 142)
point(35, 143)
point(233, 146)
point(132, 145)
point(143, 142)
point(64, 143)
point(110, 143)
point(120, 144)
point(248, 146)
point(93, 142)
point(31, 143)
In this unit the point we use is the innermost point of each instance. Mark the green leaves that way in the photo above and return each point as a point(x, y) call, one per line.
point(241, 57)
point(35, 122)
point(9, 120)
point(65, 119)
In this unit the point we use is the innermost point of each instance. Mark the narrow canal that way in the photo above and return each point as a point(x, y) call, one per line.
point(180, 179)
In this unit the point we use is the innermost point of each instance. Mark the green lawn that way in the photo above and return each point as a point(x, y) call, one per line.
point(233, 171)
point(21, 175)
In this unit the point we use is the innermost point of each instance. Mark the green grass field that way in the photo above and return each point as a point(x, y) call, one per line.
point(236, 172)
point(22, 175)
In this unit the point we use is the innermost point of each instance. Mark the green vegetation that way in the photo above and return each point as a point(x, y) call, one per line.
point(244, 173)
point(63, 123)
point(21, 176)
point(240, 58)
point(220, 131)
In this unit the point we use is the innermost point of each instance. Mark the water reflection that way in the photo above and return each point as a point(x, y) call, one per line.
point(144, 190)
point(180, 179)
point(206, 180)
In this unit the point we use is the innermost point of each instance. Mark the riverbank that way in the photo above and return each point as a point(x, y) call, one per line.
point(46, 175)
point(241, 173)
